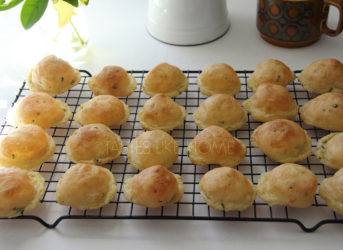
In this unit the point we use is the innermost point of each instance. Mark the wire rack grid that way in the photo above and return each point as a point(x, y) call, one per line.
point(192, 206)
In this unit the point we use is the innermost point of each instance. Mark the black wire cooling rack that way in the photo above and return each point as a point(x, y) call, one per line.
point(192, 206)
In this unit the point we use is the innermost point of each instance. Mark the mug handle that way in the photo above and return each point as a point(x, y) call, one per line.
point(324, 28)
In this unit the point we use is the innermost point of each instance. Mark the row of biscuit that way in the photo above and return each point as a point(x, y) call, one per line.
point(162, 99)
point(55, 76)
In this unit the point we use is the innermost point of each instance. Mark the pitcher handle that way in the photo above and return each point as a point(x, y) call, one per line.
point(324, 28)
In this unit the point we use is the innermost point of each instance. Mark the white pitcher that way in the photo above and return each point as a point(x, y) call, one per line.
point(187, 22)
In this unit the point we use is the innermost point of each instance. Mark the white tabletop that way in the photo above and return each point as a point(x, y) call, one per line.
point(118, 37)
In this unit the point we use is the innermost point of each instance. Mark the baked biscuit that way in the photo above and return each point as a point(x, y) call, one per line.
point(26, 147)
point(105, 109)
point(323, 76)
point(289, 184)
point(227, 189)
point(324, 111)
point(282, 141)
point(271, 71)
point(152, 148)
point(94, 144)
point(222, 110)
point(112, 80)
point(165, 78)
point(329, 150)
point(53, 76)
point(20, 191)
point(270, 102)
point(215, 145)
point(219, 78)
point(161, 112)
point(85, 186)
point(42, 110)
point(331, 190)
point(154, 187)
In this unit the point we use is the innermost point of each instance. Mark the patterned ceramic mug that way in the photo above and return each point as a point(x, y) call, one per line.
point(296, 23)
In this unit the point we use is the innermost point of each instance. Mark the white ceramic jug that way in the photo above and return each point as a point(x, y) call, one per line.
point(187, 22)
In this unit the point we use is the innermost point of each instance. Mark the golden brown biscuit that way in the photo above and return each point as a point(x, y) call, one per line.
point(329, 150)
point(289, 184)
point(219, 78)
point(165, 78)
point(161, 112)
point(270, 102)
point(42, 110)
point(86, 186)
point(323, 76)
point(53, 76)
point(112, 80)
point(271, 71)
point(152, 148)
point(94, 144)
point(324, 111)
point(222, 110)
point(282, 141)
point(20, 191)
point(227, 189)
point(215, 145)
point(331, 190)
point(154, 187)
point(26, 147)
point(105, 109)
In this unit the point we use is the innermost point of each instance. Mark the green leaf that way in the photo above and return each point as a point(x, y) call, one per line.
point(32, 11)
point(75, 3)
point(9, 5)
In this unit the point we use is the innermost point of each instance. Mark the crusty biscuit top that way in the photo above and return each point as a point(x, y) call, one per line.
point(219, 78)
point(164, 78)
point(112, 80)
point(154, 184)
point(53, 76)
point(324, 111)
point(282, 140)
point(161, 110)
point(325, 75)
point(24, 144)
point(271, 71)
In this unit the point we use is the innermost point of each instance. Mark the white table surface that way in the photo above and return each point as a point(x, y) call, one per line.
point(118, 36)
